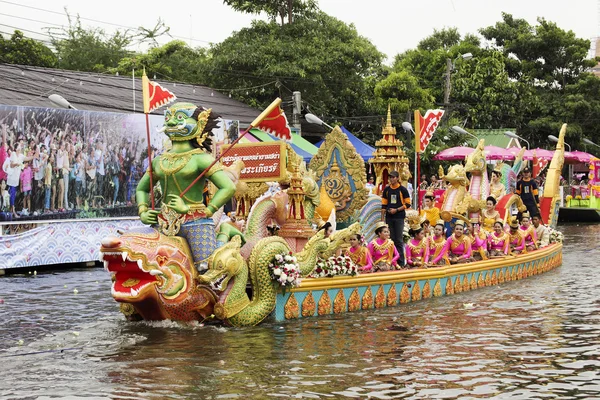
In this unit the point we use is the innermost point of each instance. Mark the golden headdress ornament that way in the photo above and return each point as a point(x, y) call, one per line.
point(498, 168)
point(202, 121)
point(414, 219)
point(514, 223)
point(380, 224)
point(460, 222)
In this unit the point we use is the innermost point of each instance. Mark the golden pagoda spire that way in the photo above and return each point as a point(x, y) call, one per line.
point(389, 118)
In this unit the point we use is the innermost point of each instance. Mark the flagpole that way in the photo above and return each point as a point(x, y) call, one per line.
point(254, 123)
point(146, 98)
point(418, 159)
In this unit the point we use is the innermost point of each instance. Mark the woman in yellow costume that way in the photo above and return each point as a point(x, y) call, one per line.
point(528, 232)
point(383, 252)
point(497, 188)
point(489, 214)
point(429, 210)
point(478, 240)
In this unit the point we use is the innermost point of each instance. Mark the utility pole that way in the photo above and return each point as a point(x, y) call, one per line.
point(448, 83)
point(296, 110)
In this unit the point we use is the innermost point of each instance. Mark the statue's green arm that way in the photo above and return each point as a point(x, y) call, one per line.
point(225, 187)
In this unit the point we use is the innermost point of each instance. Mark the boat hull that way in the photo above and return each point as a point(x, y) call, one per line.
point(337, 295)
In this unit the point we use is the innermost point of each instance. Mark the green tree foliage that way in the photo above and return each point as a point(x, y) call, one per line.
point(83, 49)
point(24, 51)
point(281, 9)
point(543, 54)
point(174, 61)
point(403, 92)
point(322, 57)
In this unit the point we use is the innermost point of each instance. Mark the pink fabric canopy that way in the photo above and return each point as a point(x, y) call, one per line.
point(460, 152)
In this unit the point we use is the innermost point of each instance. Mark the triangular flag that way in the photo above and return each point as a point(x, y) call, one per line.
point(275, 123)
point(155, 96)
point(426, 126)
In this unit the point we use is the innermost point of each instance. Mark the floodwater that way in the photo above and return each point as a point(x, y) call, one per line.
point(61, 335)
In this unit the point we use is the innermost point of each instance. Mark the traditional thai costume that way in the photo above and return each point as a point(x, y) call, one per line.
point(543, 236)
point(497, 191)
point(384, 254)
point(432, 214)
point(517, 242)
point(417, 252)
point(361, 257)
point(479, 246)
point(498, 244)
point(488, 220)
point(437, 250)
point(530, 237)
point(459, 248)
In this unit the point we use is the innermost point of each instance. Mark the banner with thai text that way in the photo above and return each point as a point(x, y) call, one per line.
point(263, 162)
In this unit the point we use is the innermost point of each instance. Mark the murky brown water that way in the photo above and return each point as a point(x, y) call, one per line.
point(537, 338)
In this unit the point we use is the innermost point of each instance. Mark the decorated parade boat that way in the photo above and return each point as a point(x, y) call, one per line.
point(582, 203)
point(193, 263)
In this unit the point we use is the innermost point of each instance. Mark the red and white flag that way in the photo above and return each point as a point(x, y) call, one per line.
point(154, 95)
point(539, 164)
point(274, 122)
point(426, 127)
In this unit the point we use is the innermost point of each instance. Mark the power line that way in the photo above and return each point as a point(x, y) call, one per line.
point(95, 20)
point(29, 19)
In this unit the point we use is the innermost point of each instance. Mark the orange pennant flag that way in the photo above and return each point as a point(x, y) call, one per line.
point(155, 96)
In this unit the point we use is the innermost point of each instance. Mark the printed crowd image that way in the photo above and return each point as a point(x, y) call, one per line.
point(59, 164)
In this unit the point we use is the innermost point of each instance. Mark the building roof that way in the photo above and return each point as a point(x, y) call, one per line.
point(22, 85)
point(495, 137)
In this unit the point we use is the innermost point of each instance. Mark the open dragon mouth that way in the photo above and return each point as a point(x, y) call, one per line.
point(130, 280)
point(217, 284)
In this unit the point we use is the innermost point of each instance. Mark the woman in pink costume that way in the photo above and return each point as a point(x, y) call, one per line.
point(438, 253)
point(417, 248)
point(478, 240)
point(498, 241)
point(528, 232)
point(383, 252)
point(516, 239)
point(359, 253)
point(459, 245)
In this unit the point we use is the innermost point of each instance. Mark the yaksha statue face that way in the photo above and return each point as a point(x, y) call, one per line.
point(184, 121)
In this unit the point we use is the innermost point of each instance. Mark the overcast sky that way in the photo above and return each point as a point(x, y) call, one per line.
point(392, 25)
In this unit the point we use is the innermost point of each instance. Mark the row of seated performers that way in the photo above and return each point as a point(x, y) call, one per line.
point(430, 248)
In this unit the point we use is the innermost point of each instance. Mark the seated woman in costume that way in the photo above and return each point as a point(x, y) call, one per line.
point(498, 245)
point(489, 215)
point(528, 232)
point(417, 248)
point(359, 254)
point(515, 238)
point(429, 210)
point(437, 246)
point(427, 228)
point(478, 240)
point(497, 188)
point(383, 252)
point(459, 245)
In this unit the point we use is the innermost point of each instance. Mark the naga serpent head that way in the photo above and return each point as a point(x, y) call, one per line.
point(456, 175)
point(224, 263)
point(476, 160)
point(148, 266)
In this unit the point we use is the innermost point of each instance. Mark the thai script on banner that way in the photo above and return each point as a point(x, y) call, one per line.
point(263, 162)
point(426, 126)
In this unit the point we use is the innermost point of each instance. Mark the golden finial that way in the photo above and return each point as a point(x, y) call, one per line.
point(389, 117)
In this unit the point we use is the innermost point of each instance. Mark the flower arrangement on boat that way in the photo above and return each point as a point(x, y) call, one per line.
point(555, 236)
point(335, 266)
point(285, 270)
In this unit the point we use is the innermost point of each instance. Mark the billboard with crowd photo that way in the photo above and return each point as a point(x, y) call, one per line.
point(61, 164)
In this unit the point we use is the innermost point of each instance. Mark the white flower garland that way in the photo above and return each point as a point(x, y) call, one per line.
point(335, 266)
point(285, 270)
